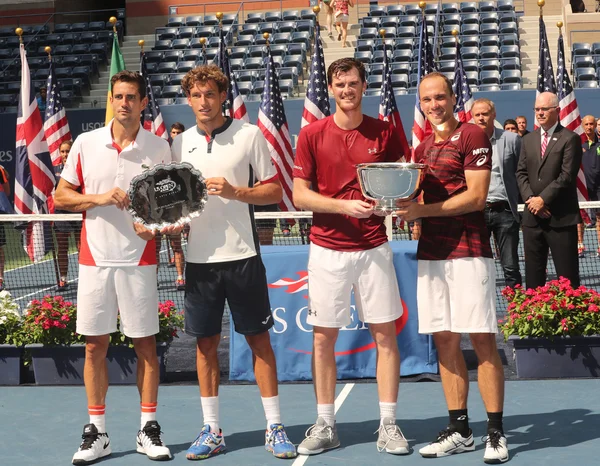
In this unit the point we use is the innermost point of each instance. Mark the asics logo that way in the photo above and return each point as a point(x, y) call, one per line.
point(266, 321)
point(481, 160)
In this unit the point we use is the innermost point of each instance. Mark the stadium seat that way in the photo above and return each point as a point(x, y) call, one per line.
point(293, 61)
point(469, 29)
point(63, 50)
point(372, 92)
point(364, 57)
point(377, 56)
point(58, 28)
point(505, 5)
point(248, 29)
point(469, 41)
point(176, 21)
point(581, 48)
point(507, 17)
point(244, 41)
point(584, 85)
point(94, 26)
point(281, 38)
point(101, 50)
point(246, 75)
point(585, 74)
point(255, 18)
point(79, 27)
point(490, 17)
point(288, 73)
point(511, 87)
point(412, 9)
point(447, 66)
point(245, 88)
point(254, 63)
point(488, 52)
point(194, 21)
point(180, 100)
point(490, 65)
point(409, 20)
point(469, 53)
point(258, 86)
point(211, 20)
point(403, 44)
point(368, 33)
point(413, 79)
point(40, 29)
point(511, 77)
point(287, 88)
point(238, 52)
point(454, 20)
point(510, 51)
point(205, 31)
point(278, 50)
point(389, 32)
point(308, 14)
point(406, 31)
point(488, 28)
point(290, 15)
point(158, 79)
point(448, 53)
point(583, 61)
point(510, 63)
point(162, 45)
point(389, 43)
point(374, 81)
point(273, 16)
point(470, 18)
point(151, 67)
point(154, 57)
point(180, 44)
point(375, 69)
point(489, 88)
point(256, 51)
point(400, 68)
point(305, 25)
point(302, 38)
point(489, 41)
point(376, 10)
point(170, 92)
point(164, 102)
point(402, 56)
point(450, 8)
point(185, 66)
point(230, 19)
point(63, 72)
point(400, 80)
point(186, 32)
point(431, 8)
point(167, 67)
point(236, 64)
point(388, 22)
point(80, 49)
point(34, 62)
point(395, 10)
point(365, 45)
point(595, 48)
point(269, 27)
point(472, 78)
point(487, 6)
point(448, 29)
point(509, 39)
point(172, 55)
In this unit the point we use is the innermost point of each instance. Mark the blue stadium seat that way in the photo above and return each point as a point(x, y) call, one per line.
point(412, 9)
point(238, 52)
point(278, 50)
point(404, 56)
point(185, 66)
point(273, 16)
point(302, 38)
point(258, 86)
point(595, 48)
point(509, 39)
point(186, 32)
point(454, 19)
point(400, 80)
point(79, 27)
point(489, 41)
point(374, 69)
point(256, 51)
point(244, 41)
point(487, 6)
point(489, 87)
point(172, 55)
point(63, 50)
point(245, 88)
point(510, 63)
point(490, 65)
point(162, 45)
point(40, 29)
point(8, 100)
point(255, 18)
point(388, 22)
point(170, 91)
point(511, 87)
point(469, 29)
point(389, 33)
point(409, 20)
point(489, 52)
point(176, 21)
point(79, 49)
point(469, 41)
point(585, 74)
point(51, 39)
point(400, 68)
point(413, 79)
point(180, 44)
point(205, 31)
point(100, 49)
point(248, 29)
point(58, 28)
point(450, 8)
point(581, 48)
point(191, 55)
point(281, 38)
point(158, 79)
point(406, 31)
point(469, 53)
point(472, 78)
point(389, 44)
point(34, 62)
point(378, 55)
point(448, 29)
point(368, 33)
point(511, 77)
point(587, 84)
point(403, 44)
point(293, 61)
point(267, 27)
point(291, 15)
point(305, 25)
point(507, 17)
point(470, 18)
point(288, 73)
point(164, 102)
point(176, 78)
point(246, 75)
point(489, 18)
point(63, 72)
point(254, 63)
point(374, 81)
point(154, 57)
point(166, 33)
point(489, 77)
point(195, 43)
point(431, 8)
point(365, 45)
point(395, 10)
point(510, 51)
point(376, 10)
point(364, 57)
point(157, 91)
point(211, 20)
point(194, 20)
point(446, 66)
point(230, 19)
point(449, 53)
point(95, 26)
point(488, 28)
point(73, 60)
point(151, 67)
point(167, 67)
point(583, 61)
point(236, 64)
point(308, 14)
point(505, 5)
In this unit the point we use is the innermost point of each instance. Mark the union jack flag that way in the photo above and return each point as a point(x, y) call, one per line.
point(462, 91)
point(56, 126)
point(422, 127)
point(152, 119)
point(545, 71)
point(569, 111)
point(388, 110)
point(273, 124)
point(34, 173)
point(316, 102)
point(234, 106)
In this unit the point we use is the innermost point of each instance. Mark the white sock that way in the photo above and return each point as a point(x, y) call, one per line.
point(272, 412)
point(148, 413)
point(387, 410)
point(99, 421)
point(210, 410)
point(327, 413)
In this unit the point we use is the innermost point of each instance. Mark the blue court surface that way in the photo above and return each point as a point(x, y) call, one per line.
point(548, 423)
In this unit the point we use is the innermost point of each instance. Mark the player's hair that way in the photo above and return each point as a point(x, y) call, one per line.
point(343, 65)
point(127, 76)
point(436, 74)
point(202, 74)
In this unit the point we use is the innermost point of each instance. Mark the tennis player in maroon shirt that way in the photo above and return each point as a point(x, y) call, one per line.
point(456, 281)
point(348, 251)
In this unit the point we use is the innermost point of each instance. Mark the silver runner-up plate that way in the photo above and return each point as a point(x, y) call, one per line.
point(166, 195)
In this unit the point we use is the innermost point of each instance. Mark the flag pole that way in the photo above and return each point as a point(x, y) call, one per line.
point(541, 4)
point(141, 43)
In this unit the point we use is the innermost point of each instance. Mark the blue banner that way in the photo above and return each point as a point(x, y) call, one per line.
point(291, 336)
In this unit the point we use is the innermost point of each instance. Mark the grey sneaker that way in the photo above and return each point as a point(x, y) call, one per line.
point(391, 438)
point(319, 437)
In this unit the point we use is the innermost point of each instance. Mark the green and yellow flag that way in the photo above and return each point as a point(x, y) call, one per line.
point(116, 64)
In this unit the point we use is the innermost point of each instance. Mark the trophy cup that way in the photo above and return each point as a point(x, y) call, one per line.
point(167, 194)
point(388, 183)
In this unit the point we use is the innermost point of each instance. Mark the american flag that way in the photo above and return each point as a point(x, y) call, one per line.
point(34, 173)
point(273, 124)
point(234, 106)
point(569, 111)
point(421, 127)
point(152, 119)
point(388, 110)
point(545, 71)
point(56, 126)
point(316, 103)
point(461, 89)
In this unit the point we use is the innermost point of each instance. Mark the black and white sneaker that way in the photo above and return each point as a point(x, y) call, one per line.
point(496, 448)
point(95, 445)
point(448, 443)
point(150, 444)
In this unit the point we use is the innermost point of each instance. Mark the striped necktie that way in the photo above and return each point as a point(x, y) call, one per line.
point(544, 144)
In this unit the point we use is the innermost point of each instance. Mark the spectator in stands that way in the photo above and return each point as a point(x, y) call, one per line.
point(547, 174)
point(41, 101)
point(329, 10)
point(591, 171)
point(64, 230)
point(577, 6)
point(598, 127)
point(501, 215)
point(341, 18)
point(511, 125)
point(111, 280)
point(456, 287)
point(5, 208)
point(349, 248)
point(178, 258)
point(223, 261)
point(522, 124)
point(176, 129)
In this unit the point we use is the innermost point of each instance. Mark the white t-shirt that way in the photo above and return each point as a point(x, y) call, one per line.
point(225, 230)
point(97, 165)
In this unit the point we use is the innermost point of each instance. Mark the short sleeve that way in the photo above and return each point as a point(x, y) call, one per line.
point(176, 149)
point(72, 170)
point(260, 159)
point(304, 163)
point(477, 149)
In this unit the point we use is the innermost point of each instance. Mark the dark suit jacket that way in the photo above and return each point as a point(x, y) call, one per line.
point(553, 178)
point(508, 147)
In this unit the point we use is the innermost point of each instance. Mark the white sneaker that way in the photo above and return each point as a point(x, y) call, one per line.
point(391, 439)
point(496, 448)
point(448, 443)
point(150, 444)
point(94, 446)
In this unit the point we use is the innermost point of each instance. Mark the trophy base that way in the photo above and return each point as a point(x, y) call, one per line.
point(387, 206)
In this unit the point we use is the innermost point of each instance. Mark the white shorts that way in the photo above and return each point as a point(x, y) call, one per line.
point(457, 295)
point(341, 18)
point(332, 275)
point(104, 292)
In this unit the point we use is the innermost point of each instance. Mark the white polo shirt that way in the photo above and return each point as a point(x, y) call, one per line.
point(97, 165)
point(239, 153)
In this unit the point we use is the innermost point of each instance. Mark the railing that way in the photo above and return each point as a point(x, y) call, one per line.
point(174, 10)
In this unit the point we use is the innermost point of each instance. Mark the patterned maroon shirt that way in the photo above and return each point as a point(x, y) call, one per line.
point(468, 148)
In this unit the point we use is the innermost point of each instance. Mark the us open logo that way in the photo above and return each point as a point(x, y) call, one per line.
point(300, 285)
point(165, 186)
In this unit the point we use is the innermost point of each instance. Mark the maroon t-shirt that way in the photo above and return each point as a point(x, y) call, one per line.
point(327, 155)
point(468, 148)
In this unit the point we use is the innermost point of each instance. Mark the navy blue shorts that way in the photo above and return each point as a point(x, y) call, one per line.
point(243, 283)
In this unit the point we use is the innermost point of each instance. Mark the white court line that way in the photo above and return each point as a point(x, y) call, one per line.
point(301, 459)
point(42, 290)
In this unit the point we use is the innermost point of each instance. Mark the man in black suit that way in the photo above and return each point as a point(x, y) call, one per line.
point(547, 174)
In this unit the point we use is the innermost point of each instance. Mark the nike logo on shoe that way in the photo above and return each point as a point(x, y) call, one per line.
point(106, 445)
